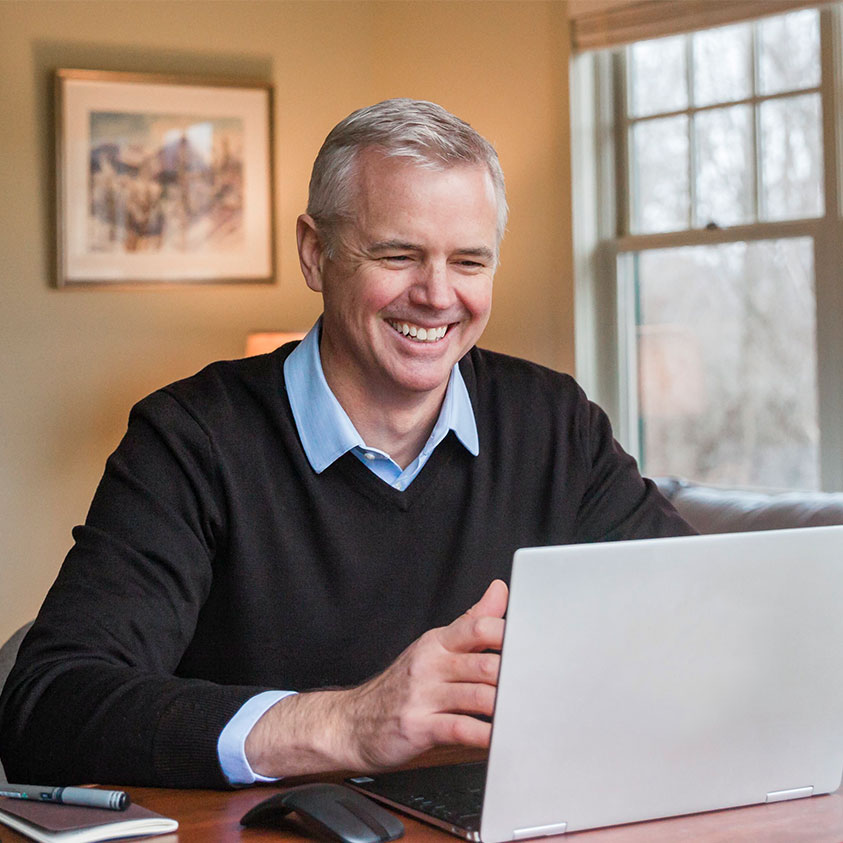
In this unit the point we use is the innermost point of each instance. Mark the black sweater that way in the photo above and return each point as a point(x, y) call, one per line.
point(214, 563)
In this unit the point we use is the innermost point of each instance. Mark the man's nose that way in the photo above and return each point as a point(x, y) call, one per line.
point(433, 287)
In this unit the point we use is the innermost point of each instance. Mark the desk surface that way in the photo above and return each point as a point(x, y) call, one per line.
point(207, 816)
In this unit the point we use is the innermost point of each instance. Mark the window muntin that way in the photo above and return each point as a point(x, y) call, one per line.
point(691, 83)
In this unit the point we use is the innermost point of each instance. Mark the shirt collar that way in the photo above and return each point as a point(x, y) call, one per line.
point(325, 430)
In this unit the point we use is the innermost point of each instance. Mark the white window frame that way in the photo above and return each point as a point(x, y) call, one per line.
point(604, 346)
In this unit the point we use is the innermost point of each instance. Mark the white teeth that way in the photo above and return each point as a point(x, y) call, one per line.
point(420, 334)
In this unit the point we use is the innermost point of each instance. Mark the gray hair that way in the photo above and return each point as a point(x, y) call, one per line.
point(422, 132)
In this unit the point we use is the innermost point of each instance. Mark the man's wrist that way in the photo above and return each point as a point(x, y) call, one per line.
point(231, 743)
point(301, 734)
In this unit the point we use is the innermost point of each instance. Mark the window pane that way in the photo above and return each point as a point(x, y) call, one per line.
point(722, 64)
point(725, 182)
point(789, 52)
point(791, 158)
point(727, 367)
point(659, 165)
point(657, 76)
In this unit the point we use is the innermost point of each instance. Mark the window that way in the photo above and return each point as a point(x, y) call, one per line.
point(710, 270)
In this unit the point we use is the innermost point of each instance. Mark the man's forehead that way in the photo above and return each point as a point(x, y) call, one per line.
point(403, 203)
point(373, 165)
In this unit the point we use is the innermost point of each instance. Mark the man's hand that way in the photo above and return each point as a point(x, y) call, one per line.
point(425, 698)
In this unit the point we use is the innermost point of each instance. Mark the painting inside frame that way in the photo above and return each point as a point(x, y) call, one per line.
point(162, 180)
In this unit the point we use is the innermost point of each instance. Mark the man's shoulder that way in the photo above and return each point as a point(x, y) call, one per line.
point(222, 389)
point(492, 371)
point(518, 401)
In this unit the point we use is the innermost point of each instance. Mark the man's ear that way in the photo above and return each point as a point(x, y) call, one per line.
point(311, 253)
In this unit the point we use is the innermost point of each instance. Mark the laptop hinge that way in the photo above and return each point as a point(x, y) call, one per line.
point(539, 831)
point(795, 793)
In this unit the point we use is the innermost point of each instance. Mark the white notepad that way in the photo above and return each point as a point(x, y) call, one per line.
point(50, 823)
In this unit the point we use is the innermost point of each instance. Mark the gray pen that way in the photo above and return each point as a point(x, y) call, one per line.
point(114, 800)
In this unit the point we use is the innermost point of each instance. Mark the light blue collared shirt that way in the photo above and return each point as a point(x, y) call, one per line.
point(326, 433)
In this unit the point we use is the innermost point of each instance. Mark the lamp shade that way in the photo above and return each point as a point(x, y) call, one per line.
point(262, 342)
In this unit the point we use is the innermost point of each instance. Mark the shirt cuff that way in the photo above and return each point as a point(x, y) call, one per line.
point(231, 746)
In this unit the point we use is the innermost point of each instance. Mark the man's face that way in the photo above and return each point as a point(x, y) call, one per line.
point(410, 288)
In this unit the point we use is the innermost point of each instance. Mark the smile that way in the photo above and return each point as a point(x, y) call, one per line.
point(417, 333)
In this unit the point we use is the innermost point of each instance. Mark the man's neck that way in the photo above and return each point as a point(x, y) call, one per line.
point(397, 425)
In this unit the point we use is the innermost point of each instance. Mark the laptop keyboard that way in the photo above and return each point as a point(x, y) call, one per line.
point(452, 793)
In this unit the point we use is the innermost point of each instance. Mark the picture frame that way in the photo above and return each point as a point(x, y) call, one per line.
point(163, 179)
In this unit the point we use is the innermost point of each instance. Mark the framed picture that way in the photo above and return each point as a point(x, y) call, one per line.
point(162, 179)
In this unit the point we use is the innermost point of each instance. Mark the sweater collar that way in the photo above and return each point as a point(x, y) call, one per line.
point(325, 430)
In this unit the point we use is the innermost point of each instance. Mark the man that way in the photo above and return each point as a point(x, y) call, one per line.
point(334, 519)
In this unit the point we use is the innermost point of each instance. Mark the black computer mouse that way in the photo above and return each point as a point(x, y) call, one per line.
point(329, 812)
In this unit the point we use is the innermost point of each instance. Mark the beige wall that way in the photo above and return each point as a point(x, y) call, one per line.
point(72, 362)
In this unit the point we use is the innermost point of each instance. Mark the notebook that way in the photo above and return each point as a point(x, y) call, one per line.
point(653, 678)
point(51, 823)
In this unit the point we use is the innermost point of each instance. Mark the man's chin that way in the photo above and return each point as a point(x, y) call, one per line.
point(420, 381)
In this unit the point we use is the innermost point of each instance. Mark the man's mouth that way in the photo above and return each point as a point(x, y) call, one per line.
point(417, 333)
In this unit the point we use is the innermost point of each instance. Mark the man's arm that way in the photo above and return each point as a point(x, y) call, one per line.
point(617, 502)
point(426, 698)
point(94, 695)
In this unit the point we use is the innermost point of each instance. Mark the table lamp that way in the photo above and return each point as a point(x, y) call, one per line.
point(262, 342)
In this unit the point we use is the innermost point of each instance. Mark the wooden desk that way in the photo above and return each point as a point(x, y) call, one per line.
point(207, 816)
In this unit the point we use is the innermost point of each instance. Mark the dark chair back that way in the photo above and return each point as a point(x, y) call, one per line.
point(8, 654)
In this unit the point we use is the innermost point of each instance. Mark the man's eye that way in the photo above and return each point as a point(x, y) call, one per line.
point(396, 258)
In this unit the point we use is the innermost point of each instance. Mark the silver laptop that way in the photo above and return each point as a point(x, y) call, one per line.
point(647, 679)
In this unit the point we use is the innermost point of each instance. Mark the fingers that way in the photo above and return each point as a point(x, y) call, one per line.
point(481, 627)
point(472, 667)
point(472, 634)
point(460, 729)
point(465, 698)
point(434, 692)
point(493, 602)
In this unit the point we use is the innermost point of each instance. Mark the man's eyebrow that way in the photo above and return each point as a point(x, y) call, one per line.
point(399, 245)
point(483, 252)
point(478, 252)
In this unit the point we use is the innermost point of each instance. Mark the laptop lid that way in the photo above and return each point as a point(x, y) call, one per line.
point(646, 679)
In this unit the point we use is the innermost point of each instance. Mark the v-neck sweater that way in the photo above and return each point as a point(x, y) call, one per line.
point(215, 563)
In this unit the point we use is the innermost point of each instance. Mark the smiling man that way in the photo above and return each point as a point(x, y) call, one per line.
point(406, 296)
point(297, 562)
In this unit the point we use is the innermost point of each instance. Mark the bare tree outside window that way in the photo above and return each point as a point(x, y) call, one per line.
point(727, 363)
point(724, 128)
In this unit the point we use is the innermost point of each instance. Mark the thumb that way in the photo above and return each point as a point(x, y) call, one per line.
point(493, 602)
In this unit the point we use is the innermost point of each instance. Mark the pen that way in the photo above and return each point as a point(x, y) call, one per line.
point(114, 800)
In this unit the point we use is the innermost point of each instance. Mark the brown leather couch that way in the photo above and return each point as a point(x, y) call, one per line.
point(711, 509)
